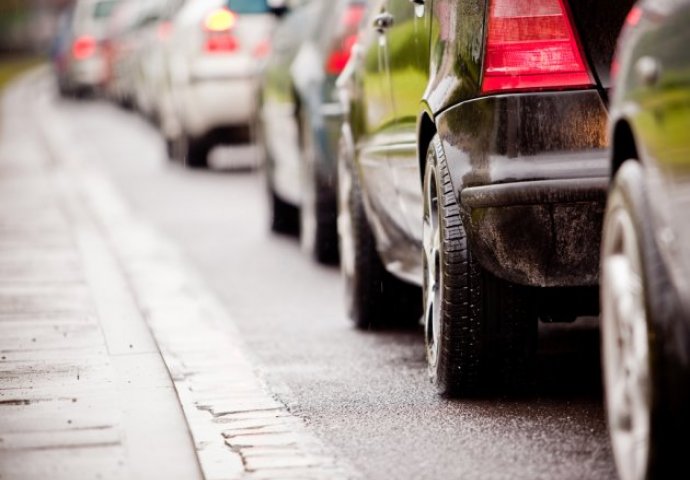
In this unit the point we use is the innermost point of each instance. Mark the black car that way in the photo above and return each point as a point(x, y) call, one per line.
point(475, 164)
point(645, 260)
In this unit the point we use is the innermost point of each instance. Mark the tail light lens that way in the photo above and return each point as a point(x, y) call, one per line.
point(342, 47)
point(531, 44)
point(164, 30)
point(218, 26)
point(83, 47)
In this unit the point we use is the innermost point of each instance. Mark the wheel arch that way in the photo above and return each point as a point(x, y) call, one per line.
point(623, 145)
point(425, 133)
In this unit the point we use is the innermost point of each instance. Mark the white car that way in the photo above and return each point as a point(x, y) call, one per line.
point(212, 63)
point(148, 62)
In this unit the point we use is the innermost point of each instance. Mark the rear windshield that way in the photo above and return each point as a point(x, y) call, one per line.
point(103, 9)
point(248, 6)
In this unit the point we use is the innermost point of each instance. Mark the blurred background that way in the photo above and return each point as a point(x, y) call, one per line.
point(29, 26)
point(27, 30)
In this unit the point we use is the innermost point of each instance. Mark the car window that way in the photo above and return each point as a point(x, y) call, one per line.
point(193, 10)
point(103, 9)
point(248, 6)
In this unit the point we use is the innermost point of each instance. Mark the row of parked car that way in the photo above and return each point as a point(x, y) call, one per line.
point(190, 65)
point(460, 159)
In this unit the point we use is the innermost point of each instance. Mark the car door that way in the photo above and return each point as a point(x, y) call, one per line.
point(659, 85)
point(408, 45)
point(377, 118)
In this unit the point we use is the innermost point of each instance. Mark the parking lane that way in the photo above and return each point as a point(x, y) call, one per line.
point(365, 393)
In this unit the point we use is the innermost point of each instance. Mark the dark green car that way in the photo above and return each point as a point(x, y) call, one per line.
point(474, 165)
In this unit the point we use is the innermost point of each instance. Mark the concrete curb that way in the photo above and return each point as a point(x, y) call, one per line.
point(239, 429)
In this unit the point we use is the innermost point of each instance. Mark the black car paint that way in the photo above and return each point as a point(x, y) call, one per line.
point(524, 139)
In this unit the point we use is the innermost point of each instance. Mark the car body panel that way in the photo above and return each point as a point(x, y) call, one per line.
point(546, 140)
point(650, 121)
point(280, 99)
point(657, 110)
point(524, 140)
point(299, 102)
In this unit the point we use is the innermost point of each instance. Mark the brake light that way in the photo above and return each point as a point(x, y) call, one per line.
point(165, 30)
point(221, 44)
point(531, 44)
point(218, 26)
point(340, 53)
point(83, 47)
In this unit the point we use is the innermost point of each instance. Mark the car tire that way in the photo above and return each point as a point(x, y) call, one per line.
point(317, 214)
point(375, 298)
point(170, 149)
point(646, 400)
point(284, 216)
point(480, 330)
point(192, 153)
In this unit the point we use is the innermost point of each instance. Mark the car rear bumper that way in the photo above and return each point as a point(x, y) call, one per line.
point(211, 103)
point(88, 73)
point(531, 174)
point(542, 233)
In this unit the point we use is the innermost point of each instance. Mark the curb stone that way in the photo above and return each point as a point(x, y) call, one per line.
point(239, 429)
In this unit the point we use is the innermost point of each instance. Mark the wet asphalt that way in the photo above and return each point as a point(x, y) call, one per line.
point(365, 394)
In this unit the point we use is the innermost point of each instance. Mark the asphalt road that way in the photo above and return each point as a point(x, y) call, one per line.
point(365, 394)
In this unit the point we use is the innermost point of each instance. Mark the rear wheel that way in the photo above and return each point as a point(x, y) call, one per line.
point(197, 153)
point(192, 153)
point(480, 330)
point(284, 216)
point(638, 313)
point(375, 298)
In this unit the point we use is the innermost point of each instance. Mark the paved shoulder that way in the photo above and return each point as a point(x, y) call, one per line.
point(84, 392)
point(239, 428)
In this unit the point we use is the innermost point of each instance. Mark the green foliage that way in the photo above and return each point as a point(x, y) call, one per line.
point(12, 67)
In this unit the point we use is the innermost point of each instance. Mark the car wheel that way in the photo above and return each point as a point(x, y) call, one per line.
point(375, 298)
point(480, 330)
point(635, 299)
point(171, 149)
point(284, 216)
point(318, 217)
point(191, 153)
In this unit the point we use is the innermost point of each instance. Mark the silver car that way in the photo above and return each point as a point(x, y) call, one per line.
point(78, 58)
point(212, 62)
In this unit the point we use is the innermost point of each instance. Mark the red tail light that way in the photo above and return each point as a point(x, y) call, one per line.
point(83, 47)
point(218, 26)
point(531, 44)
point(340, 53)
point(164, 30)
point(221, 44)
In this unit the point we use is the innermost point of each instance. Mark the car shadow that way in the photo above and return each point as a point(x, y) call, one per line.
point(567, 364)
point(568, 360)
